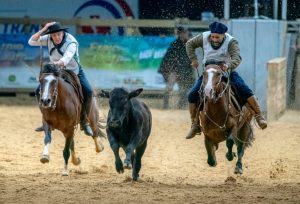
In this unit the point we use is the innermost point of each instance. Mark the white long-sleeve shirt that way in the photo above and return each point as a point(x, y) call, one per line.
point(69, 49)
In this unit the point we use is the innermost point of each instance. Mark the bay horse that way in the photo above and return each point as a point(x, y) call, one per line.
point(221, 118)
point(60, 104)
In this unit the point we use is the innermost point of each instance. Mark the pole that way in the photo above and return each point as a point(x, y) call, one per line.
point(255, 9)
point(283, 9)
point(275, 9)
point(226, 9)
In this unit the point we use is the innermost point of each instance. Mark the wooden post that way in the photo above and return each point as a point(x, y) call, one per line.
point(276, 94)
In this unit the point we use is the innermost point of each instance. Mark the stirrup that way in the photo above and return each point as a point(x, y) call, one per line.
point(87, 129)
point(39, 129)
point(262, 123)
point(195, 130)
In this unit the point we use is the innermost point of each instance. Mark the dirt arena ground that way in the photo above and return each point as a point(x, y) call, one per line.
point(174, 169)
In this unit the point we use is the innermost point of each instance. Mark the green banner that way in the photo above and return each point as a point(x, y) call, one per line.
point(122, 53)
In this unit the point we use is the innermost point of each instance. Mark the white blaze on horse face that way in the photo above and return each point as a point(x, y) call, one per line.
point(46, 90)
point(208, 89)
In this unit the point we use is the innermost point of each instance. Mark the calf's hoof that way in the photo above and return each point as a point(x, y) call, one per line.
point(119, 167)
point(127, 165)
point(135, 177)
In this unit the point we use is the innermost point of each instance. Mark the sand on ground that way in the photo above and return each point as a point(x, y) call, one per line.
point(174, 170)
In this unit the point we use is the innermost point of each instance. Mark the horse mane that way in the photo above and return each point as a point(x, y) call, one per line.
point(50, 68)
point(67, 75)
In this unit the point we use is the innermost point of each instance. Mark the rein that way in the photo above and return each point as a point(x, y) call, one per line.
point(220, 95)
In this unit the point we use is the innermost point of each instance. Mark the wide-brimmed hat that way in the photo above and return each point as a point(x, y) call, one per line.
point(56, 27)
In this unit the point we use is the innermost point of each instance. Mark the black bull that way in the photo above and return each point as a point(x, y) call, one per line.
point(128, 126)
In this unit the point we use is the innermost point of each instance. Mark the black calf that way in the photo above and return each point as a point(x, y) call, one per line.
point(128, 126)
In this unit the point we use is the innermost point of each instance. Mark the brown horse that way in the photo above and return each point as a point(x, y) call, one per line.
point(222, 119)
point(60, 103)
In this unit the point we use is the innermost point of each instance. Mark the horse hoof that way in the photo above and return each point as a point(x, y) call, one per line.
point(100, 149)
point(45, 159)
point(76, 163)
point(230, 156)
point(65, 173)
point(238, 170)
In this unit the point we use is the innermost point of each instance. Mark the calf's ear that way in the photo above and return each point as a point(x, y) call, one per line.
point(104, 94)
point(135, 93)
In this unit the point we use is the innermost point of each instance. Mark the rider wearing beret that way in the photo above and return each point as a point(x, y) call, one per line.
point(218, 45)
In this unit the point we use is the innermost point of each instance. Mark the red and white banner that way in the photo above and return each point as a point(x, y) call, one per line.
point(99, 9)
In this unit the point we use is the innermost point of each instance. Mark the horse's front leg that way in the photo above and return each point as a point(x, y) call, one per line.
point(47, 141)
point(66, 152)
point(229, 143)
point(210, 149)
point(240, 152)
point(75, 160)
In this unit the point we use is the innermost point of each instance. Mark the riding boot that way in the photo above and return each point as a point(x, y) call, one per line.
point(252, 102)
point(195, 128)
point(40, 128)
point(84, 122)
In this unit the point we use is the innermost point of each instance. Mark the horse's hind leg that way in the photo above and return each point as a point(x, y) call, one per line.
point(98, 144)
point(210, 149)
point(66, 153)
point(47, 141)
point(75, 160)
point(229, 143)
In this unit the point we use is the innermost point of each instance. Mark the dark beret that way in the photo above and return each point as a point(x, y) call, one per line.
point(217, 27)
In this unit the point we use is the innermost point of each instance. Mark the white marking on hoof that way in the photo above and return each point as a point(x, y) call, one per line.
point(45, 159)
point(65, 173)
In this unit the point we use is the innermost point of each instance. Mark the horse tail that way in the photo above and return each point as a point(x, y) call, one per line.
point(250, 135)
point(101, 127)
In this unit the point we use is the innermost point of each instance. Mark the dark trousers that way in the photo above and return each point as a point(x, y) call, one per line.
point(240, 87)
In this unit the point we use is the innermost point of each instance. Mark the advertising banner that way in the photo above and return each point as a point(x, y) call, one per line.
point(94, 9)
point(108, 61)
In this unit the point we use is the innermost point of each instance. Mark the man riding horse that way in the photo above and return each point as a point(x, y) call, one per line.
point(63, 52)
point(220, 46)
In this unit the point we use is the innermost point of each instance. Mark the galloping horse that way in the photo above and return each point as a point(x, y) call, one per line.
point(60, 103)
point(222, 119)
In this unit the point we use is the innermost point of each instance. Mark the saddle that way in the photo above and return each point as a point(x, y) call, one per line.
point(235, 101)
point(70, 77)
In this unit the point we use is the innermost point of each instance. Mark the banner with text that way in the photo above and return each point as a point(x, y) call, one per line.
point(108, 61)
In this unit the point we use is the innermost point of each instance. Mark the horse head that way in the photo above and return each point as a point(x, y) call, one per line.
point(48, 85)
point(212, 80)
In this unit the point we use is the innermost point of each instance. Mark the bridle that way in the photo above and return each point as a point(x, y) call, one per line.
point(54, 94)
